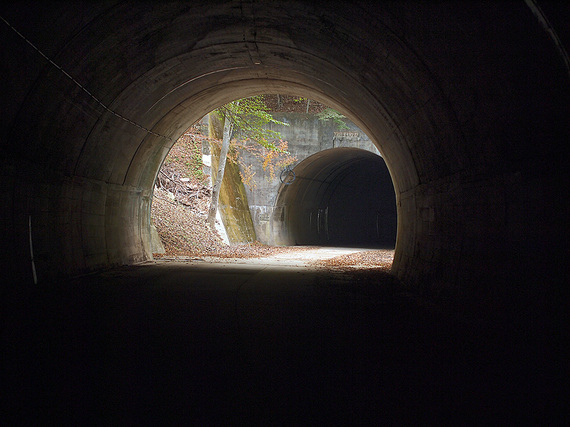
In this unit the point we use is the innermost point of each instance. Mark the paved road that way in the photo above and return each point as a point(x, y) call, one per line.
point(303, 257)
point(257, 343)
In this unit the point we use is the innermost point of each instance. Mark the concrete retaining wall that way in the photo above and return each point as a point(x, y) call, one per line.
point(306, 135)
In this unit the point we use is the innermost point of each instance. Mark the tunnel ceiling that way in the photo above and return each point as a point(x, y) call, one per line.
point(467, 102)
point(166, 65)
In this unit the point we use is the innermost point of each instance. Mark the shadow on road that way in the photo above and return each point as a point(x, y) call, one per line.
point(225, 343)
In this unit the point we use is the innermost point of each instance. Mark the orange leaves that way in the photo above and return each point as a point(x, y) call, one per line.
point(246, 173)
point(272, 160)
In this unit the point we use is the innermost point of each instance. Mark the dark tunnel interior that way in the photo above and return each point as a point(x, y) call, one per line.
point(468, 104)
point(337, 197)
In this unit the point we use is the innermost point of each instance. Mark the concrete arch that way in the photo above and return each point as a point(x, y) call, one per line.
point(338, 197)
point(468, 104)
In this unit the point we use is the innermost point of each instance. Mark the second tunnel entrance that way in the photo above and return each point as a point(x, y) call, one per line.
point(337, 197)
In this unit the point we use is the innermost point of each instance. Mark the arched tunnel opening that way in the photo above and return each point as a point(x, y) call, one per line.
point(468, 105)
point(337, 197)
point(474, 150)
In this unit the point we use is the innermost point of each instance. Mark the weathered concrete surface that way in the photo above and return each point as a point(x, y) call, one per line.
point(228, 343)
point(306, 135)
point(468, 103)
point(233, 207)
point(155, 243)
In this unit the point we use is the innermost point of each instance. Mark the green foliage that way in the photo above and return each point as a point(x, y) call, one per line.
point(329, 114)
point(195, 167)
point(249, 116)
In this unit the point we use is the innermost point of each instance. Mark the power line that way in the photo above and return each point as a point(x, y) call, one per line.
point(69, 76)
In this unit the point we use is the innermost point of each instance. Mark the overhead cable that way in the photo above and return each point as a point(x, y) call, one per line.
point(69, 76)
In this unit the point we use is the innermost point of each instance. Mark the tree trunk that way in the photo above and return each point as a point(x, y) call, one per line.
point(220, 175)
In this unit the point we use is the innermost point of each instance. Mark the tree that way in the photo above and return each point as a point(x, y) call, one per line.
point(328, 114)
point(246, 117)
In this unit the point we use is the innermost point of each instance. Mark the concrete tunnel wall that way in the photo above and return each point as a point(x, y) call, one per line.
point(466, 101)
point(337, 197)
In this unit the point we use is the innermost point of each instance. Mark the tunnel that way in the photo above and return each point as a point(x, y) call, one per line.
point(468, 105)
point(467, 102)
point(337, 197)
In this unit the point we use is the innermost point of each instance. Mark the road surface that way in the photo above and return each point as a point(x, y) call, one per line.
point(258, 343)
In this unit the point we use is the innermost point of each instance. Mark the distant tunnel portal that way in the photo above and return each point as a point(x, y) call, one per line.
point(337, 197)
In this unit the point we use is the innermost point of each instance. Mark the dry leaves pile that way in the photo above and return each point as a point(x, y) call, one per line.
point(180, 207)
point(181, 228)
point(184, 233)
point(373, 259)
point(181, 200)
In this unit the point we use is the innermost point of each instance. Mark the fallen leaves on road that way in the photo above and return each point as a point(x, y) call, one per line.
point(370, 259)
